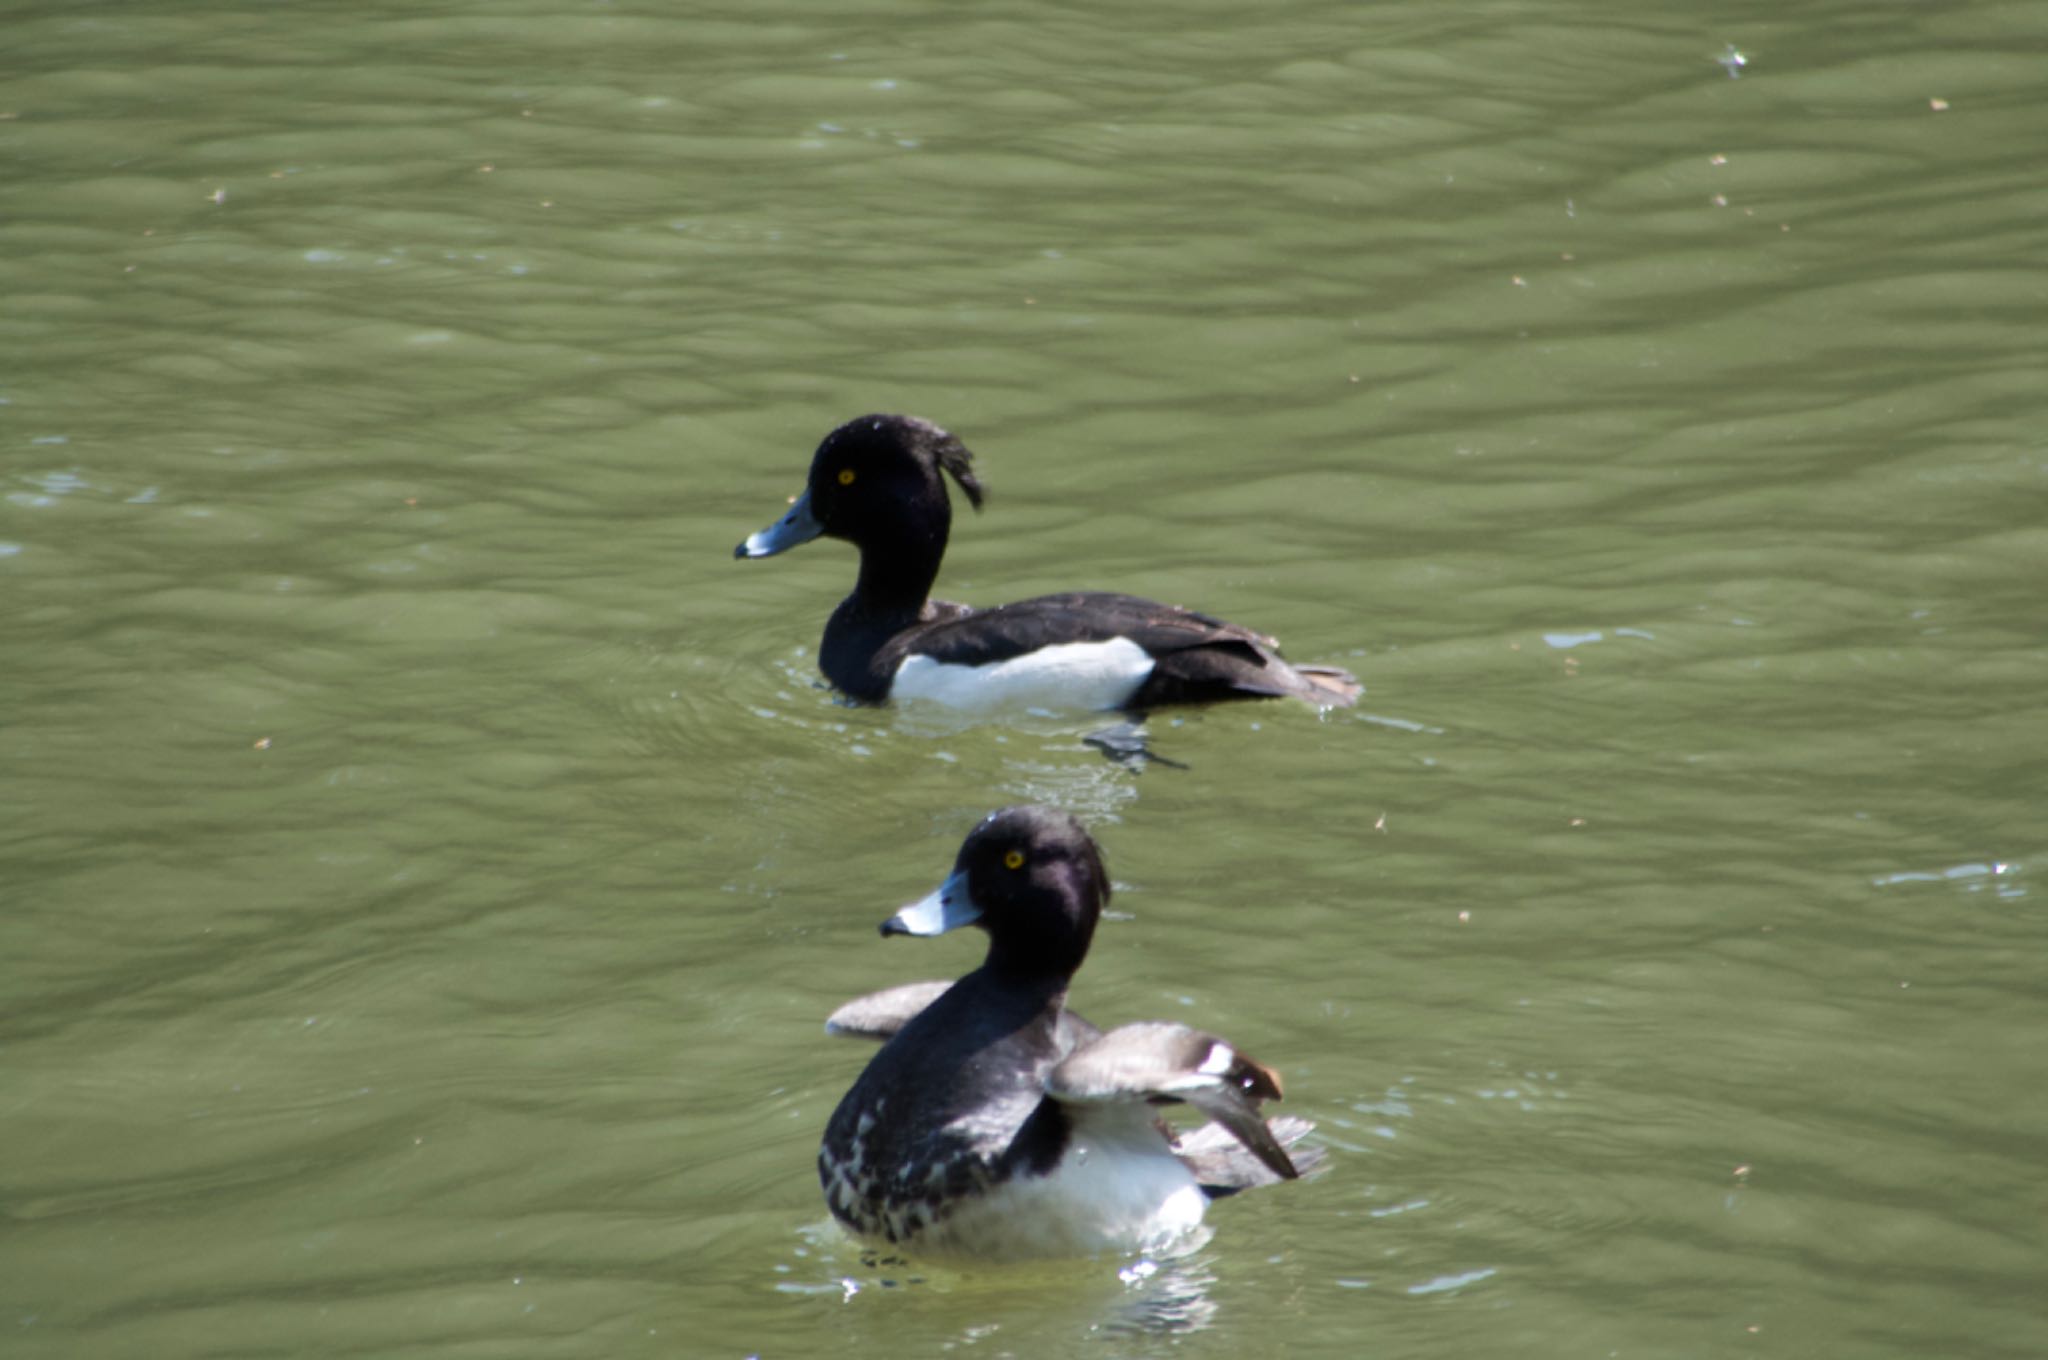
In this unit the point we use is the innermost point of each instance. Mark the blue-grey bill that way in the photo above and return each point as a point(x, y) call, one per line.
point(794, 528)
point(947, 909)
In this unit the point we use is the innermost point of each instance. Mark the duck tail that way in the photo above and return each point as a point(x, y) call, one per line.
point(1328, 686)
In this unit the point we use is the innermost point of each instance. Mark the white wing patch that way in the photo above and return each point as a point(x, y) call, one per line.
point(1070, 675)
point(1218, 1062)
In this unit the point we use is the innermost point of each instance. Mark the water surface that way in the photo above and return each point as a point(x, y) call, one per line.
point(429, 858)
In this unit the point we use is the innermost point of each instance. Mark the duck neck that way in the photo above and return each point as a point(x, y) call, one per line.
point(1040, 965)
point(892, 594)
point(896, 581)
point(1031, 990)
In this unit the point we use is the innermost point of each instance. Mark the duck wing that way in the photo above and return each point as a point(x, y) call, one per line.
point(1159, 1062)
point(878, 1015)
point(1197, 658)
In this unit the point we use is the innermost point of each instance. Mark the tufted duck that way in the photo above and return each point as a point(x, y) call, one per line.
point(997, 1123)
point(876, 482)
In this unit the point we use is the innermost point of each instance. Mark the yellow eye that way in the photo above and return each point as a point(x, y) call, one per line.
point(846, 476)
point(1014, 860)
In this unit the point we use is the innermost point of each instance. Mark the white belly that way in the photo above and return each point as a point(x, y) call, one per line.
point(1117, 1189)
point(1072, 675)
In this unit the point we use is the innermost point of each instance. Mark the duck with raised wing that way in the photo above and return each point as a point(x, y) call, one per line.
point(995, 1122)
point(877, 482)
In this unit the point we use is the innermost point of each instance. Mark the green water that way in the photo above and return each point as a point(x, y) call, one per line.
point(427, 857)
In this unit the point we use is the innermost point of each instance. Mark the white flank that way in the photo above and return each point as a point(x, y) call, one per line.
point(1071, 675)
point(1118, 1188)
